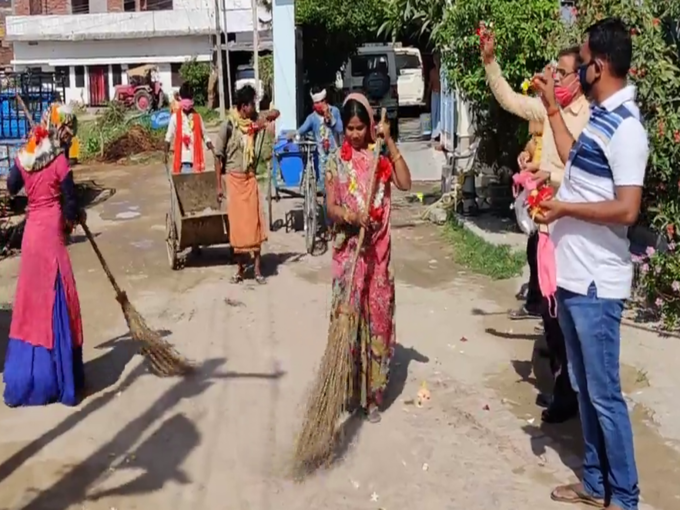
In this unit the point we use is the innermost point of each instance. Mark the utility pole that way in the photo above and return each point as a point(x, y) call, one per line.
point(218, 51)
point(256, 51)
point(228, 56)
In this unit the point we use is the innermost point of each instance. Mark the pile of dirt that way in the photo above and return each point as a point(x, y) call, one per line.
point(136, 140)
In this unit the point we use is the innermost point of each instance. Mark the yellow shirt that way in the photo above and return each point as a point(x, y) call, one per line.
point(575, 116)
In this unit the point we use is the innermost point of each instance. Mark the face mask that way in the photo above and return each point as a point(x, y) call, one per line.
point(186, 104)
point(583, 80)
point(565, 95)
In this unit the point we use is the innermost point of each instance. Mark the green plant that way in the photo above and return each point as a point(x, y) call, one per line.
point(196, 75)
point(472, 251)
point(266, 70)
point(527, 34)
point(415, 20)
point(332, 30)
point(655, 72)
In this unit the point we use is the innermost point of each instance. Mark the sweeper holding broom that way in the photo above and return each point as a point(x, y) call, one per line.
point(355, 368)
point(44, 360)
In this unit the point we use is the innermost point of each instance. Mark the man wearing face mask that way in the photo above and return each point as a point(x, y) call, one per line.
point(326, 126)
point(186, 132)
point(575, 108)
point(599, 199)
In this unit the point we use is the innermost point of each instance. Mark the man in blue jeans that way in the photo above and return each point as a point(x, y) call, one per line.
point(599, 198)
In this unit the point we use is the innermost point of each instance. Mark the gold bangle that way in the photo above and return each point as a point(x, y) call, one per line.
point(397, 158)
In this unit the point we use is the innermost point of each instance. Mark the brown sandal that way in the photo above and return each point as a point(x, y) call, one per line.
point(575, 493)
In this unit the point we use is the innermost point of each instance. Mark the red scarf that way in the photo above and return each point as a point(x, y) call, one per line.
point(199, 156)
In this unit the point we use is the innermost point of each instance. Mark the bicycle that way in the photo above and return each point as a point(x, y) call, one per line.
point(308, 190)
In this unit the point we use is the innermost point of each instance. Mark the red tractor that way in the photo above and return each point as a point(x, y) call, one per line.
point(143, 91)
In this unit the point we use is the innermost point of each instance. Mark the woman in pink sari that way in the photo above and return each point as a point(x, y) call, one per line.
point(44, 360)
point(348, 177)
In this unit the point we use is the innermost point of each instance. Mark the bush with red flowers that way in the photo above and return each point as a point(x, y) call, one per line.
point(656, 74)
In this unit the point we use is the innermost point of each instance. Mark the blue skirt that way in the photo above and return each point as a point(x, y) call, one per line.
point(36, 376)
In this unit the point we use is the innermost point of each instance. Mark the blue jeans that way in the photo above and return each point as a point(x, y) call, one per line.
point(186, 168)
point(592, 333)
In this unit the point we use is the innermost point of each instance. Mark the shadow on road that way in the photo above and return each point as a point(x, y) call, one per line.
point(160, 455)
point(105, 370)
point(403, 356)
point(566, 438)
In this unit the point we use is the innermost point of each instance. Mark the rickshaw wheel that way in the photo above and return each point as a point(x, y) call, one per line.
point(171, 243)
point(310, 208)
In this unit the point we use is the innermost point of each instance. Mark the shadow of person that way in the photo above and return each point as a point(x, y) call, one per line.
point(564, 438)
point(399, 372)
point(78, 479)
point(160, 457)
point(105, 370)
point(271, 262)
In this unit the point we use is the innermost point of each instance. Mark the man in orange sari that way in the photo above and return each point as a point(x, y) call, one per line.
point(239, 147)
point(186, 133)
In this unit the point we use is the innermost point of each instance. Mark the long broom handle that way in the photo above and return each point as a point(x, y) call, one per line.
point(371, 193)
point(102, 261)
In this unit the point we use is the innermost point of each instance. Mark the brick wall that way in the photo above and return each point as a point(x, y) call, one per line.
point(23, 7)
point(6, 52)
point(114, 5)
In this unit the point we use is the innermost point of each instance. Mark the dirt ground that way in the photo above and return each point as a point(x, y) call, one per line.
point(222, 438)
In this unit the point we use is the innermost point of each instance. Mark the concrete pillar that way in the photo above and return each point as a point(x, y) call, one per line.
point(285, 68)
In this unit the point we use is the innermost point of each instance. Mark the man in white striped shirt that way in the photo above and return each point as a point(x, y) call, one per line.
point(599, 198)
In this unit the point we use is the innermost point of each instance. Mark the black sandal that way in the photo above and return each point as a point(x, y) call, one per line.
point(522, 313)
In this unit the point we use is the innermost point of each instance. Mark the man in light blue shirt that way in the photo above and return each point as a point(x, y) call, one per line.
point(599, 198)
point(326, 126)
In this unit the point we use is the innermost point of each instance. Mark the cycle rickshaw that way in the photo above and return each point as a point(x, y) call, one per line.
point(294, 173)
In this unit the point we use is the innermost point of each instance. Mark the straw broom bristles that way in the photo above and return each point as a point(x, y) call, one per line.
point(163, 358)
point(334, 384)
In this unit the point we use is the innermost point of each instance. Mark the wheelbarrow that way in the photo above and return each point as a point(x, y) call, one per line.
point(196, 218)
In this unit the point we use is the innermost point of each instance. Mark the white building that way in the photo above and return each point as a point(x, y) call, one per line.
point(94, 46)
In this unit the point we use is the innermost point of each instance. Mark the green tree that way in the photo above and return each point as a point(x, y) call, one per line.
point(196, 74)
point(332, 30)
point(413, 20)
point(527, 32)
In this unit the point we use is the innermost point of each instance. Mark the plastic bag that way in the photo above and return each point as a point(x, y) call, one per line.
point(526, 224)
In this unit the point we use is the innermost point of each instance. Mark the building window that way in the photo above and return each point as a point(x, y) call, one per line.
point(80, 76)
point(80, 6)
point(35, 7)
point(155, 5)
point(64, 75)
point(116, 74)
point(129, 5)
point(176, 77)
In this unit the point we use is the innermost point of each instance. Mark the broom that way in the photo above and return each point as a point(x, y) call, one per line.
point(334, 385)
point(162, 356)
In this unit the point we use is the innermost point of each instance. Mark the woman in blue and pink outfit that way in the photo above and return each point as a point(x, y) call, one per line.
point(44, 361)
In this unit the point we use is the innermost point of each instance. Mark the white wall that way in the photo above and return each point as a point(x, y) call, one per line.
point(81, 94)
point(188, 17)
point(156, 49)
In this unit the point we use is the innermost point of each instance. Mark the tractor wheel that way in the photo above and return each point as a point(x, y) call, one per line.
point(143, 100)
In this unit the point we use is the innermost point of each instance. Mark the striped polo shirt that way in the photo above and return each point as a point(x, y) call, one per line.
point(611, 151)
